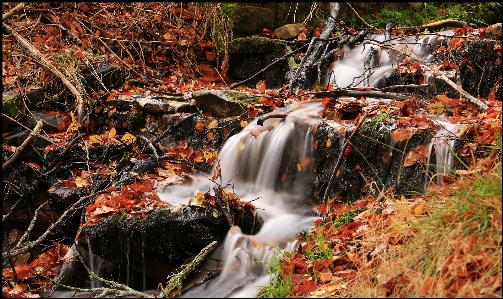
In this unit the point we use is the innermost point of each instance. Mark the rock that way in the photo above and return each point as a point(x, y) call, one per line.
point(157, 241)
point(50, 121)
point(13, 105)
point(154, 104)
point(494, 31)
point(288, 31)
point(107, 76)
point(64, 195)
point(479, 70)
point(248, 56)
point(248, 19)
point(223, 103)
point(18, 139)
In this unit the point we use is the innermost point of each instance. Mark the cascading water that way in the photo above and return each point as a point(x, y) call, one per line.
point(349, 71)
point(257, 165)
point(271, 165)
point(251, 163)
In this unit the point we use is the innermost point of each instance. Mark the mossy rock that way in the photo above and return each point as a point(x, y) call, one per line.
point(223, 103)
point(14, 105)
point(256, 44)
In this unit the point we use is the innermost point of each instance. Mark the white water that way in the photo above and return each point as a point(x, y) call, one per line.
point(250, 162)
point(349, 71)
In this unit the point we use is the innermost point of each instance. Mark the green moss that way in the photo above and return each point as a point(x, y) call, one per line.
point(243, 99)
point(256, 44)
point(228, 8)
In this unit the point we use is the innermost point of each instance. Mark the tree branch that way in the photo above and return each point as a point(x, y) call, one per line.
point(14, 11)
point(47, 64)
point(19, 151)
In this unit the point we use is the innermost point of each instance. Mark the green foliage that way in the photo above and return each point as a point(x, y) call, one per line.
point(65, 60)
point(322, 250)
point(377, 120)
point(228, 8)
point(278, 287)
point(482, 13)
point(346, 217)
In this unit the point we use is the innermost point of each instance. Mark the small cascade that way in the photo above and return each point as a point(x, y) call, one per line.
point(442, 146)
point(350, 70)
point(94, 263)
point(246, 258)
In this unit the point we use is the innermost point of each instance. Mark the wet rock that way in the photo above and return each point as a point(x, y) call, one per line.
point(155, 242)
point(479, 69)
point(64, 195)
point(288, 31)
point(248, 56)
point(222, 103)
point(107, 76)
point(18, 139)
point(382, 164)
point(14, 105)
point(157, 104)
point(50, 122)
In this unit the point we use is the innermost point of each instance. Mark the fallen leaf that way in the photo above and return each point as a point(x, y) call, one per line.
point(418, 154)
point(261, 86)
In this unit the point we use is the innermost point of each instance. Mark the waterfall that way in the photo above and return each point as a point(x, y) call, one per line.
point(349, 71)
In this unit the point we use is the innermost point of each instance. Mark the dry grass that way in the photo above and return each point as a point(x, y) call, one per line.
point(450, 247)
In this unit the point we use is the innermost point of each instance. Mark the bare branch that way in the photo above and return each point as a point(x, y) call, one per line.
point(46, 63)
point(14, 11)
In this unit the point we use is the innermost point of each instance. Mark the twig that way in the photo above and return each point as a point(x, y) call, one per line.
point(19, 151)
point(6, 216)
point(175, 280)
point(14, 11)
point(151, 146)
point(28, 245)
point(267, 67)
point(72, 143)
point(358, 16)
point(23, 126)
point(339, 160)
point(260, 120)
point(47, 64)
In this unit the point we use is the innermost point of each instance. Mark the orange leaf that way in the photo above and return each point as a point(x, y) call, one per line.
point(420, 153)
point(443, 98)
point(261, 86)
point(302, 35)
point(112, 133)
point(200, 126)
point(38, 39)
point(305, 161)
point(402, 134)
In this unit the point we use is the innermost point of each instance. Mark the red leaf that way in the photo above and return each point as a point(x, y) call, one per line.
point(307, 286)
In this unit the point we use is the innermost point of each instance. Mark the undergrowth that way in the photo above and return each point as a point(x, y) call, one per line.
point(446, 243)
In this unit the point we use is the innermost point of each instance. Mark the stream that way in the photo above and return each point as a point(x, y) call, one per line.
point(252, 160)
point(254, 165)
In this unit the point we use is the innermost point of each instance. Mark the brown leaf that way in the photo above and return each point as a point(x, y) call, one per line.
point(419, 154)
point(200, 126)
point(402, 134)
